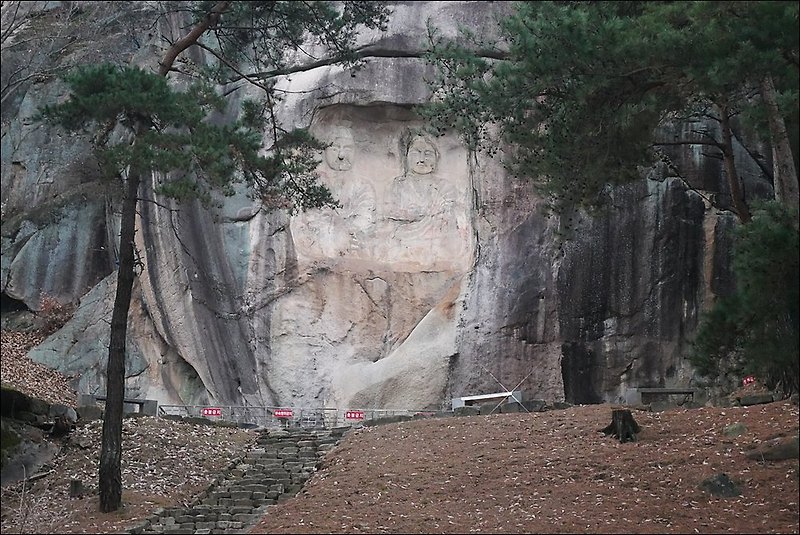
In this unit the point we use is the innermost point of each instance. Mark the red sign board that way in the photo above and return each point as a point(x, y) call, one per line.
point(750, 379)
point(283, 413)
point(211, 411)
point(354, 415)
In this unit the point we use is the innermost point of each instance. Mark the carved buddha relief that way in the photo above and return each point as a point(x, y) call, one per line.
point(421, 207)
point(339, 154)
point(422, 156)
point(346, 230)
point(419, 193)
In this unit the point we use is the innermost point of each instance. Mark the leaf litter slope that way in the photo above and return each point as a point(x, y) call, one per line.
point(552, 472)
point(164, 463)
point(543, 472)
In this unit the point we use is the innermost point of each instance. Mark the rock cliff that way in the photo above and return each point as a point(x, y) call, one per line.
point(438, 277)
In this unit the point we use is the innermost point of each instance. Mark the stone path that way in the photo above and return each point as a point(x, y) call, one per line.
point(274, 470)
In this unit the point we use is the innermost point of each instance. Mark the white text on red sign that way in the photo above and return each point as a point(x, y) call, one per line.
point(211, 411)
point(283, 413)
point(354, 415)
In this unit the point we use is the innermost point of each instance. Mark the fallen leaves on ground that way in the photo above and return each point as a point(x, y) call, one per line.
point(31, 378)
point(164, 463)
point(551, 472)
point(512, 473)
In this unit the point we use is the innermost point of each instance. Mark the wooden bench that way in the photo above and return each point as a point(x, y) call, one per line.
point(148, 407)
point(647, 393)
point(498, 397)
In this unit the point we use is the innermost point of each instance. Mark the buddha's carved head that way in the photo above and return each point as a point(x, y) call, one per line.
point(422, 156)
point(339, 155)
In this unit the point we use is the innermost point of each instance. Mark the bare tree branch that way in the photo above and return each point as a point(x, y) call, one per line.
point(191, 38)
point(678, 143)
point(761, 165)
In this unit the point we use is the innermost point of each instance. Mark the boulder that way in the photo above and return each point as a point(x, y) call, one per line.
point(535, 405)
point(62, 425)
point(467, 411)
point(68, 413)
point(29, 452)
point(777, 450)
point(12, 402)
point(512, 407)
point(27, 417)
point(721, 485)
point(734, 430)
point(87, 413)
point(755, 399)
point(39, 407)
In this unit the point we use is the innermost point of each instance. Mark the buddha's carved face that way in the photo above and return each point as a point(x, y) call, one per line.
point(339, 155)
point(421, 156)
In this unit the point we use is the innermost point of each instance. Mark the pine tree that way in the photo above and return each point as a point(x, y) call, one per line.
point(579, 92)
point(757, 329)
point(168, 131)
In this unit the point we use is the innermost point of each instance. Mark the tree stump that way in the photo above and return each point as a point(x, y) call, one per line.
point(62, 425)
point(622, 426)
point(76, 488)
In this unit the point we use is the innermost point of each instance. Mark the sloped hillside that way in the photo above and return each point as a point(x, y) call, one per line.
point(514, 473)
point(165, 463)
point(554, 472)
point(29, 377)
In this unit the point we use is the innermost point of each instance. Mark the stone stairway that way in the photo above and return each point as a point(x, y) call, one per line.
point(274, 470)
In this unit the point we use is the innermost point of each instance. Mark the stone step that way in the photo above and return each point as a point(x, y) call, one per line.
point(272, 471)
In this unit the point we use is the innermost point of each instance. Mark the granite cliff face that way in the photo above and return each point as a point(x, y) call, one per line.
point(438, 277)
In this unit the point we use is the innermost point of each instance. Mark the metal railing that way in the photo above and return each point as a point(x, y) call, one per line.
point(283, 417)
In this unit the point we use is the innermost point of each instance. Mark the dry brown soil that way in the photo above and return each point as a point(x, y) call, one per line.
point(513, 473)
point(552, 472)
point(164, 463)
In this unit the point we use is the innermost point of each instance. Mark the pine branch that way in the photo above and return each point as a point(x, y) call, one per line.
point(231, 66)
point(160, 205)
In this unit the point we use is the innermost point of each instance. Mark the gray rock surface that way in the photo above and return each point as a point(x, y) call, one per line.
point(755, 399)
point(734, 430)
point(31, 451)
point(439, 277)
point(721, 485)
point(777, 450)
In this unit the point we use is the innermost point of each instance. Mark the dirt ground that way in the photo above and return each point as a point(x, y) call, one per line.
point(164, 463)
point(544, 472)
point(552, 472)
point(513, 473)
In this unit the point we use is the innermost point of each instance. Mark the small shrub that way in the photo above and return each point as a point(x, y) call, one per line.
point(54, 314)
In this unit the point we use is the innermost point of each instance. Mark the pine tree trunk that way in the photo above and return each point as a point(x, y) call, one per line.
point(784, 172)
point(622, 426)
point(737, 198)
point(110, 481)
